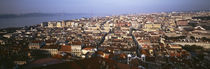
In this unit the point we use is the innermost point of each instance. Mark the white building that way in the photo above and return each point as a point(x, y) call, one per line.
point(59, 24)
point(86, 50)
point(34, 45)
point(76, 50)
point(2, 42)
point(50, 50)
point(8, 35)
point(52, 24)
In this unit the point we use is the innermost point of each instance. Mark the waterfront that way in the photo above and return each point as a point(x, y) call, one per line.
point(34, 20)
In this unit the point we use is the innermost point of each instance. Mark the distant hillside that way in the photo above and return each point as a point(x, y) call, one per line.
point(202, 17)
point(37, 15)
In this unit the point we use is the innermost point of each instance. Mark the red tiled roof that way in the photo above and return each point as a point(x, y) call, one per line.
point(91, 63)
point(65, 48)
point(50, 41)
point(50, 47)
point(88, 48)
point(182, 22)
point(41, 62)
point(76, 43)
point(36, 41)
point(144, 40)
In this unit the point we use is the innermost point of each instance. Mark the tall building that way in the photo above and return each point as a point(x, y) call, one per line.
point(76, 48)
point(63, 23)
point(68, 23)
point(58, 24)
point(51, 24)
point(44, 24)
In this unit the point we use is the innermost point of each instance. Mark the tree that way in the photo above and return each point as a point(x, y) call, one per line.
point(37, 54)
point(192, 37)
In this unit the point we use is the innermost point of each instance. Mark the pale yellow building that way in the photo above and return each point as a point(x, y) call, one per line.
point(59, 25)
point(152, 27)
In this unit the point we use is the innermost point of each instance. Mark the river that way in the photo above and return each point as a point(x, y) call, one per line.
point(28, 21)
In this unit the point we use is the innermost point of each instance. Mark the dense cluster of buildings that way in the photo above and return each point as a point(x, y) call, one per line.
point(159, 38)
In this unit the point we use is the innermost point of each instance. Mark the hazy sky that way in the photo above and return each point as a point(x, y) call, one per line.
point(100, 6)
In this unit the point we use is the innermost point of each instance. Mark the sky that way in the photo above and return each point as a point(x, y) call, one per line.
point(100, 6)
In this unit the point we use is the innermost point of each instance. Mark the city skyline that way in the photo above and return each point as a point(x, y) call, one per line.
point(147, 41)
point(104, 34)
